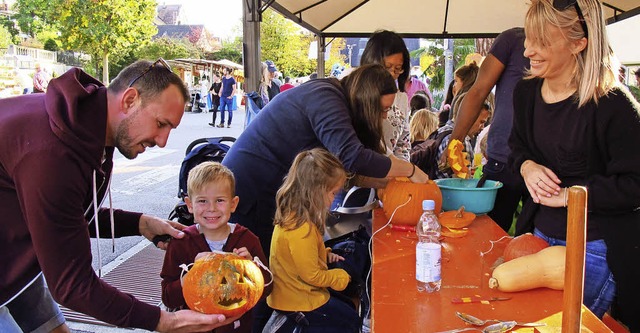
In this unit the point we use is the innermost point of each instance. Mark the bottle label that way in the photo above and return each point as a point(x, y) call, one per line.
point(428, 257)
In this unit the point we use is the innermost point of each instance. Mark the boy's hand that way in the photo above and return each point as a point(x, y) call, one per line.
point(243, 252)
point(332, 257)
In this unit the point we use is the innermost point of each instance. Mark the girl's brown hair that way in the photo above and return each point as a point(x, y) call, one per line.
point(302, 197)
point(363, 88)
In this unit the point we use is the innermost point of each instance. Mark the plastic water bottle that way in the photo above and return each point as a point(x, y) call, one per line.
point(428, 249)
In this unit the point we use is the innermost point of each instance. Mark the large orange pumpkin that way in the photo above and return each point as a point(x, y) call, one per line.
point(523, 245)
point(223, 283)
point(399, 190)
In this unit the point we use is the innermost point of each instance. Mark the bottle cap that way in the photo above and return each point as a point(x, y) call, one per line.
point(428, 205)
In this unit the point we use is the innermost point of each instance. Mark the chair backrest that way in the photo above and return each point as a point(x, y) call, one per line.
point(253, 105)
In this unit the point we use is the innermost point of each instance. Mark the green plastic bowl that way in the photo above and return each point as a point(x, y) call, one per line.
point(458, 192)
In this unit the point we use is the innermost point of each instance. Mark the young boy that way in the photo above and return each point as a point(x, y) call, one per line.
point(211, 199)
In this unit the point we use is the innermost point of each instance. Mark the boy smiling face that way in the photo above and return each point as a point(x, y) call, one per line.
point(211, 207)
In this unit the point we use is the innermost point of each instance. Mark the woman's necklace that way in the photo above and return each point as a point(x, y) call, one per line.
point(550, 97)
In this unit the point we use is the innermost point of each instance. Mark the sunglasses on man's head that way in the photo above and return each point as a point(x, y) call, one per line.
point(564, 4)
point(160, 62)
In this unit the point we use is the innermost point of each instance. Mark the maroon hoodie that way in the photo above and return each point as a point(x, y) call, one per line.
point(184, 251)
point(51, 146)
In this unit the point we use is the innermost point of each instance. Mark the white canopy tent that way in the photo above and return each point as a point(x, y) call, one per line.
point(410, 18)
point(420, 18)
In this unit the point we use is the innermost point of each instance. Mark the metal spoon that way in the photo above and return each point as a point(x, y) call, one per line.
point(495, 328)
point(467, 318)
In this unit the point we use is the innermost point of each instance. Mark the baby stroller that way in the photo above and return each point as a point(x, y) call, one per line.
point(198, 151)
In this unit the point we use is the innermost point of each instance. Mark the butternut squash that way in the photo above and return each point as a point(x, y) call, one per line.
point(541, 269)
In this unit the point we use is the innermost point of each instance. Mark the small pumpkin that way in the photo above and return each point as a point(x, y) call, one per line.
point(456, 219)
point(223, 283)
point(541, 269)
point(523, 245)
point(401, 190)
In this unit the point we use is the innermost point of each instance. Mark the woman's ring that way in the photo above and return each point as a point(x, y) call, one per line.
point(539, 180)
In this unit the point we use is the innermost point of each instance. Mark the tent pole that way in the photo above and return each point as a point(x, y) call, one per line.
point(251, 44)
point(321, 51)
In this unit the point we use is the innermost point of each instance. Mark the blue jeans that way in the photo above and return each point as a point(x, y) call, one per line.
point(508, 196)
point(599, 286)
point(34, 310)
point(335, 316)
point(226, 102)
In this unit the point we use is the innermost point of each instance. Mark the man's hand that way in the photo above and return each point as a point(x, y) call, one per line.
point(184, 321)
point(151, 226)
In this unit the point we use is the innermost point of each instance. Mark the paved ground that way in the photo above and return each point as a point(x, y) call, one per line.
point(129, 190)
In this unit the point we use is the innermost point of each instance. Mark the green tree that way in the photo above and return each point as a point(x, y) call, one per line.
point(231, 50)
point(104, 27)
point(461, 48)
point(168, 48)
point(5, 37)
point(10, 25)
point(34, 15)
point(283, 42)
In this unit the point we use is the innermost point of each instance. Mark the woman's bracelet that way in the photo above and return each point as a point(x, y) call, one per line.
point(413, 171)
point(566, 196)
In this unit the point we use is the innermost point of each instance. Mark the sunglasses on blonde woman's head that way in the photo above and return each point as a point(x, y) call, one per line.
point(565, 4)
point(160, 62)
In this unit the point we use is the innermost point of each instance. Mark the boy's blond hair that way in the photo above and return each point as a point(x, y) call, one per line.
point(423, 123)
point(209, 172)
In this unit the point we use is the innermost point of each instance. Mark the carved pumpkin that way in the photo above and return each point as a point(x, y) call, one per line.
point(223, 283)
point(523, 245)
point(399, 190)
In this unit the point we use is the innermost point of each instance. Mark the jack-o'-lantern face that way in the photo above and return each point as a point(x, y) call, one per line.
point(223, 284)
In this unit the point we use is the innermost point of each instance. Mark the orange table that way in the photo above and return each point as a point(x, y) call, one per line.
point(397, 306)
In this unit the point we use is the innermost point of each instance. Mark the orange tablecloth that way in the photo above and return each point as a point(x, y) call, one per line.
point(397, 306)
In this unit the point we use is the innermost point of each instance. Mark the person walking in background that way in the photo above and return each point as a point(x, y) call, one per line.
point(205, 99)
point(57, 161)
point(287, 84)
point(265, 83)
point(226, 94)
point(40, 80)
point(503, 67)
point(274, 82)
point(299, 258)
point(214, 91)
point(211, 200)
point(388, 49)
point(576, 125)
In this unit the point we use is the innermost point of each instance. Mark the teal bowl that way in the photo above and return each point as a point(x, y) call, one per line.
point(458, 192)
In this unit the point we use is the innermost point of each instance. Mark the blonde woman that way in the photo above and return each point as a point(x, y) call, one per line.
point(575, 125)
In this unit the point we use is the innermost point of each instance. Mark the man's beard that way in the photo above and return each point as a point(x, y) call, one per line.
point(123, 140)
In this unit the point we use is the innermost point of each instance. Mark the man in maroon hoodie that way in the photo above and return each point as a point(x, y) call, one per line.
point(55, 164)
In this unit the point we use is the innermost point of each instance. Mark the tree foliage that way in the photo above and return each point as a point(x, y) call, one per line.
point(461, 48)
point(35, 15)
point(231, 50)
point(5, 37)
point(284, 43)
point(104, 27)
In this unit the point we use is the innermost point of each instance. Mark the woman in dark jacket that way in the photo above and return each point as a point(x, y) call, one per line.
point(574, 125)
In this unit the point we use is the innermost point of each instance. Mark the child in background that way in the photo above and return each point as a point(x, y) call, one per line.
point(423, 123)
point(298, 255)
point(211, 199)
